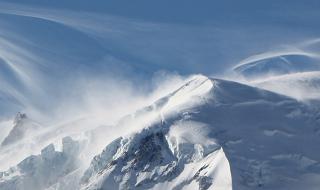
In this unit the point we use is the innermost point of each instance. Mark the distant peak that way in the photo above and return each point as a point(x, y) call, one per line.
point(20, 116)
point(21, 126)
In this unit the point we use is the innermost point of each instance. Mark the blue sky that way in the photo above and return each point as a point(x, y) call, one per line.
point(183, 36)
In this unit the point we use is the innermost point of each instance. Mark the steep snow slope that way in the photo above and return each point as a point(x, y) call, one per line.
point(268, 139)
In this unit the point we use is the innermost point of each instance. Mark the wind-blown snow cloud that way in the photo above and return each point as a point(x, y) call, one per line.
point(292, 70)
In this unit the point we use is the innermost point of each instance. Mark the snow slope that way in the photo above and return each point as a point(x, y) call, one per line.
point(292, 73)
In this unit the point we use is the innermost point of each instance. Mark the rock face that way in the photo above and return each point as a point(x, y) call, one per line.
point(41, 171)
point(145, 161)
point(22, 126)
point(148, 155)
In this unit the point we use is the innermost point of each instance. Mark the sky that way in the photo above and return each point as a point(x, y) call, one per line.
point(184, 36)
point(67, 51)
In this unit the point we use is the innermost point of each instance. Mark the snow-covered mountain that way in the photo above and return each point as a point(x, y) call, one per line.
point(208, 134)
point(266, 138)
point(103, 95)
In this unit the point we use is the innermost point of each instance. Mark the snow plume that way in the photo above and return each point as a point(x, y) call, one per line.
point(91, 106)
point(53, 74)
point(291, 70)
point(70, 84)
